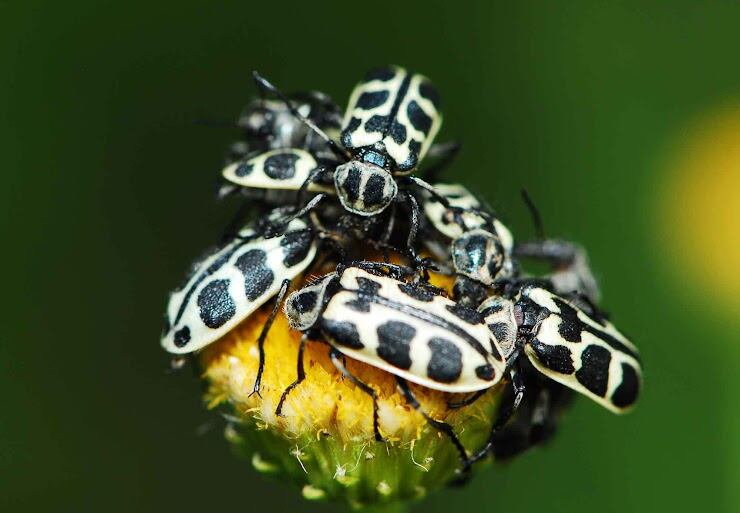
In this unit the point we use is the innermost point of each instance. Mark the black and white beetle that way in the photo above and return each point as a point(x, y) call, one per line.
point(389, 126)
point(390, 123)
point(233, 281)
point(579, 350)
point(280, 151)
point(411, 330)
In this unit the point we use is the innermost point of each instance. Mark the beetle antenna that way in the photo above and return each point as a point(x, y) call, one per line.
point(263, 84)
point(536, 217)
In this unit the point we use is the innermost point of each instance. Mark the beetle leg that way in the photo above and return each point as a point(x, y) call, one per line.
point(440, 426)
point(300, 376)
point(275, 229)
point(263, 335)
point(337, 359)
point(468, 400)
point(508, 410)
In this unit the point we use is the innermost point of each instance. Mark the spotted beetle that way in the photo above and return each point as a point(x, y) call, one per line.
point(578, 349)
point(329, 305)
point(389, 125)
point(411, 330)
point(279, 151)
point(233, 281)
point(391, 120)
point(569, 345)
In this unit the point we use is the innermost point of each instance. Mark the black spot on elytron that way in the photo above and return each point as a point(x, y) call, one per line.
point(368, 287)
point(428, 91)
point(372, 100)
point(360, 303)
point(351, 184)
point(244, 169)
point(571, 326)
point(418, 118)
point(296, 246)
point(216, 304)
point(445, 364)
point(412, 159)
point(485, 372)
point(594, 371)
point(466, 314)
point(397, 132)
point(182, 337)
point(373, 195)
point(414, 147)
point(346, 137)
point(281, 166)
point(556, 358)
point(217, 264)
point(258, 277)
point(382, 74)
point(627, 391)
point(417, 292)
point(343, 333)
point(377, 124)
point(394, 343)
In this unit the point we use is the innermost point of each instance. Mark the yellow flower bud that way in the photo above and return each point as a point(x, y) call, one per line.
point(324, 440)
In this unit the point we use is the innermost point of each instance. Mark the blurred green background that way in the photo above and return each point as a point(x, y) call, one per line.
point(609, 114)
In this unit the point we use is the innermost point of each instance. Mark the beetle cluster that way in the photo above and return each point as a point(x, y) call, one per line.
point(328, 192)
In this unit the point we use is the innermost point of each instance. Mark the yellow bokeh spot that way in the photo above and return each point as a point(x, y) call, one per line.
point(700, 207)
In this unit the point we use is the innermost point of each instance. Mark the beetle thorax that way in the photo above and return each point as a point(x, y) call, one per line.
point(364, 188)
